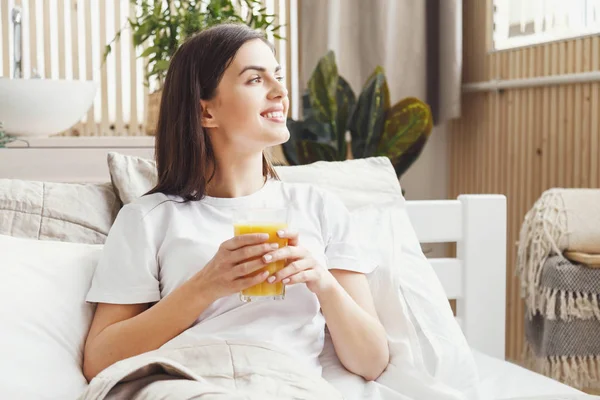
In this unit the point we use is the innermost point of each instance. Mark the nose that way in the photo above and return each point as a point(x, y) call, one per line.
point(278, 90)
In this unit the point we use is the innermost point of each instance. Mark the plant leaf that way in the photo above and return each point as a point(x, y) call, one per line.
point(309, 130)
point(161, 65)
point(322, 87)
point(290, 148)
point(366, 122)
point(409, 156)
point(346, 100)
point(148, 51)
point(407, 128)
point(309, 152)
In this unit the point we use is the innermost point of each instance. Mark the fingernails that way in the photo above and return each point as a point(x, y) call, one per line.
point(285, 281)
point(271, 279)
point(280, 233)
point(264, 236)
point(274, 246)
point(267, 257)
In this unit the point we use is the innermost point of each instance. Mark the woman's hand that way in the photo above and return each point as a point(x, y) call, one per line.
point(232, 268)
point(301, 267)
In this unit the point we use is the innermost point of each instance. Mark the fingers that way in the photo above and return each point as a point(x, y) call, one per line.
point(288, 252)
point(292, 269)
point(291, 235)
point(246, 282)
point(248, 239)
point(305, 276)
point(251, 252)
point(248, 267)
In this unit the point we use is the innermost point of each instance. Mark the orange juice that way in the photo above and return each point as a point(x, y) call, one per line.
point(265, 289)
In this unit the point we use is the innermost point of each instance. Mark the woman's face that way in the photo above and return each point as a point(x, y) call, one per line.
point(249, 110)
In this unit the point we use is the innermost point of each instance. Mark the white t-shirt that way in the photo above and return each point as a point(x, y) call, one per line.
point(157, 243)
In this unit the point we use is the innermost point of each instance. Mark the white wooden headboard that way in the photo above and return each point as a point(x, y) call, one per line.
point(476, 278)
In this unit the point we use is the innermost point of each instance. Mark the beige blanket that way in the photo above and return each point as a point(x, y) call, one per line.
point(210, 371)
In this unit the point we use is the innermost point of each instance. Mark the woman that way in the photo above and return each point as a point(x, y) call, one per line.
point(170, 267)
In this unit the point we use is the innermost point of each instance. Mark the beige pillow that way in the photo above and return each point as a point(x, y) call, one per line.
point(69, 212)
point(357, 182)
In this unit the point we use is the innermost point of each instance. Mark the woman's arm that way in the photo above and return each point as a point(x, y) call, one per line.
point(358, 337)
point(121, 331)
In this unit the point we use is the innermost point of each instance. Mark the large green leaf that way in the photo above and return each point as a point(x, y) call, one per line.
point(406, 159)
point(346, 100)
point(309, 130)
point(407, 127)
point(290, 148)
point(322, 87)
point(366, 122)
point(309, 152)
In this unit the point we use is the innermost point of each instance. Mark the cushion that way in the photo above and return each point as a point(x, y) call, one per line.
point(133, 176)
point(57, 211)
point(45, 318)
point(429, 356)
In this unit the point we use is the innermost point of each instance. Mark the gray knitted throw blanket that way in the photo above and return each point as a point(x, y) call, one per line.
point(563, 342)
point(562, 297)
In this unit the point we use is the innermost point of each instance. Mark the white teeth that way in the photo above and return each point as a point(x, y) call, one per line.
point(276, 114)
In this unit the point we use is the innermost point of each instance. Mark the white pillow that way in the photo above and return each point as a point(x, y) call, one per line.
point(44, 317)
point(429, 356)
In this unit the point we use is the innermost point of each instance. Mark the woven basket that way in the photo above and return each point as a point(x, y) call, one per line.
point(152, 113)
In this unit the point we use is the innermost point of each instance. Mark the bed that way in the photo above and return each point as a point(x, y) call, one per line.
point(476, 278)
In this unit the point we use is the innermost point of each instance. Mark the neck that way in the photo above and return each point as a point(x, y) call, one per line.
point(237, 176)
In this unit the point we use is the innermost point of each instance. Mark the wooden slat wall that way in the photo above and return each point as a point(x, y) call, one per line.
point(520, 142)
point(89, 25)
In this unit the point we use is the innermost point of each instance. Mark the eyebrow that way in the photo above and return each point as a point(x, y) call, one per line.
point(257, 68)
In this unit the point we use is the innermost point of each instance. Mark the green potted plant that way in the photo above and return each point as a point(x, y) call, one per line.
point(376, 127)
point(4, 137)
point(160, 26)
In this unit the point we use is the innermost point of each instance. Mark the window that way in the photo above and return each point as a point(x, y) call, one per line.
point(519, 23)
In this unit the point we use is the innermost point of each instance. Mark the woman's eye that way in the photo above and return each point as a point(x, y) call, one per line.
point(255, 80)
point(280, 78)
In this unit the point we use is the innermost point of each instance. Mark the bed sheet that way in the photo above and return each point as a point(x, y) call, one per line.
point(502, 380)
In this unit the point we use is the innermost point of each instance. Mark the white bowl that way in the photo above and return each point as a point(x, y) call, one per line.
point(43, 107)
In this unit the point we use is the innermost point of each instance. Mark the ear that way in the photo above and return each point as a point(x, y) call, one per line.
point(206, 118)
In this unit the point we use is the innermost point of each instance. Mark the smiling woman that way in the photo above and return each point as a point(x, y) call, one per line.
point(171, 271)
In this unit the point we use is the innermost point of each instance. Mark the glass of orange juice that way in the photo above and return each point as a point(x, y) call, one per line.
point(263, 220)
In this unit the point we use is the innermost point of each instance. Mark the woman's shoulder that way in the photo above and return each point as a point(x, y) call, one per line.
point(306, 191)
point(154, 204)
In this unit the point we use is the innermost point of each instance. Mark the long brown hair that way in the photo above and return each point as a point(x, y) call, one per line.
point(184, 153)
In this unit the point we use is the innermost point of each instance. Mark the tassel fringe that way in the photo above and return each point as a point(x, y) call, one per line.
point(581, 372)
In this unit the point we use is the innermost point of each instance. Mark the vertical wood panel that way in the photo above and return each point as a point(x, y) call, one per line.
point(60, 25)
point(47, 46)
point(79, 127)
point(133, 112)
point(5, 29)
point(520, 142)
point(104, 129)
point(90, 126)
point(33, 35)
point(119, 126)
point(594, 120)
